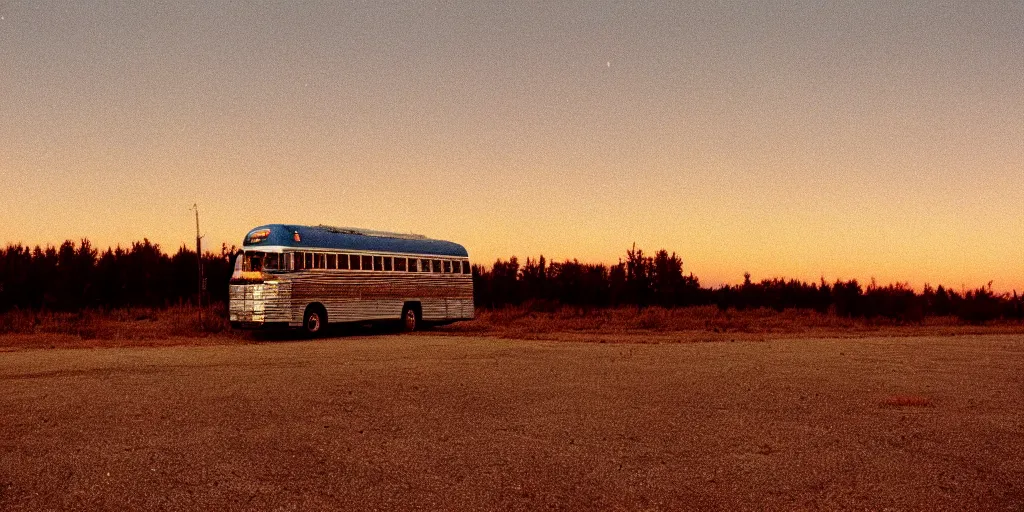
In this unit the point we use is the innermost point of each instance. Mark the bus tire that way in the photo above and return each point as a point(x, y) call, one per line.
point(314, 320)
point(410, 318)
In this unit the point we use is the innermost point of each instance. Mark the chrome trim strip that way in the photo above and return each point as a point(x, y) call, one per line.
point(291, 248)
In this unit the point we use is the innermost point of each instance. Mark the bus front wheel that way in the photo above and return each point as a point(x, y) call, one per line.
point(409, 319)
point(314, 320)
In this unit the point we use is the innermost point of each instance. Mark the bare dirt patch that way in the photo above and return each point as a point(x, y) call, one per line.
point(443, 422)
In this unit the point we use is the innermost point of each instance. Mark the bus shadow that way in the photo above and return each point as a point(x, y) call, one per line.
point(332, 331)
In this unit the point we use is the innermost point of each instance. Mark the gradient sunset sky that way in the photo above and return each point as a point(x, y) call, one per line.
point(798, 139)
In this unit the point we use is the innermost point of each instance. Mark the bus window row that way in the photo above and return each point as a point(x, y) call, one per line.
point(329, 261)
point(256, 260)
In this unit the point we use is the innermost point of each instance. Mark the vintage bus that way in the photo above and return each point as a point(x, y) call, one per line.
point(309, 276)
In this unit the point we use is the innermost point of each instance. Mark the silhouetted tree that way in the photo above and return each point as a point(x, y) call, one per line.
point(505, 282)
point(979, 306)
point(638, 276)
point(618, 292)
point(534, 279)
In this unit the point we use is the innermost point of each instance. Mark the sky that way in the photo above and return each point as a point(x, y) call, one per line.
point(797, 139)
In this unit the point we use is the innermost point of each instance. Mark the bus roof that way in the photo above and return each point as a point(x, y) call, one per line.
point(353, 239)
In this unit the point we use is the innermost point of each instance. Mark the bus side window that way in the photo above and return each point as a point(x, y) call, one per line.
point(354, 259)
point(343, 261)
point(399, 264)
point(270, 261)
point(436, 264)
point(377, 263)
point(367, 262)
point(387, 264)
point(447, 266)
point(465, 268)
point(299, 261)
point(424, 265)
point(332, 261)
point(309, 260)
point(321, 260)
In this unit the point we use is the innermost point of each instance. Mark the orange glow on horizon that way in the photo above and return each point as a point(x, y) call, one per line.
point(766, 140)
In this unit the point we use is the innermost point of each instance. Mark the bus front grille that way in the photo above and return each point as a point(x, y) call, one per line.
point(254, 304)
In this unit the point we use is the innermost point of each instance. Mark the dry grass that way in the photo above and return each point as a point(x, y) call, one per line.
point(94, 328)
point(701, 323)
point(180, 326)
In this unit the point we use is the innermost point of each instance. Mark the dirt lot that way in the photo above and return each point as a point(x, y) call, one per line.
point(441, 422)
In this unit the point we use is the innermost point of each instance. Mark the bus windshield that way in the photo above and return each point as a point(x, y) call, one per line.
point(258, 261)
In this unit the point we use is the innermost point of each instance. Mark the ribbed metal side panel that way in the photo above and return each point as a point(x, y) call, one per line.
point(460, 308)
point(434, 309)
point(350, 310)
point(352, 296)
point(367, 295)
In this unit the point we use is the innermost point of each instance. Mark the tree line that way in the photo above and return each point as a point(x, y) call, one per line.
point(75, 276)
point(642, 280)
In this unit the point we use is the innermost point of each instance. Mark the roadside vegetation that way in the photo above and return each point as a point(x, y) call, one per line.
point(656, 324)
point(123, 324)
point(643, 281)
point(131, 326)
point(140, 293)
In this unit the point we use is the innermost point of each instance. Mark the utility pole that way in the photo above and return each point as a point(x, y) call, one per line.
point(199, 262)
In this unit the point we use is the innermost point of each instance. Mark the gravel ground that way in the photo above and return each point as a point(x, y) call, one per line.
point(437, 422)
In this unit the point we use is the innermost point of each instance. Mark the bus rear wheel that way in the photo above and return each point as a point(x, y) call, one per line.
point(409, 319)
point(314, 320)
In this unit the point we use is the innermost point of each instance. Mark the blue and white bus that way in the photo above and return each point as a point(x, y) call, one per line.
point(309, 276)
